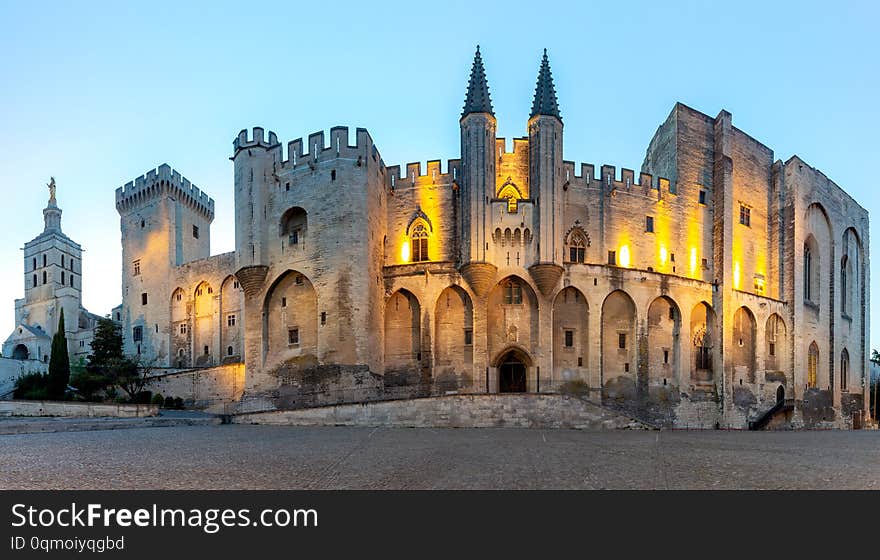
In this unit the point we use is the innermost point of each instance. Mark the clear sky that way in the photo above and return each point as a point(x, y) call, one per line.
point(97, 93)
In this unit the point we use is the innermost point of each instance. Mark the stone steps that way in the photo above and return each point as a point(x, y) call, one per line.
point(36, 425)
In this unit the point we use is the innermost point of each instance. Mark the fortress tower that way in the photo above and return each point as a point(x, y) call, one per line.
point(165, 222)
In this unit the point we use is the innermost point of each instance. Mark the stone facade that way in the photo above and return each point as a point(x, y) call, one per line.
point(702, 290)
point(53, 282)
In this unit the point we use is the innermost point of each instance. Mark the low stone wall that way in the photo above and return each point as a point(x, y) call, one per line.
point(456, 411)
point(11, 370)
point(205, 388)
point(76, 410)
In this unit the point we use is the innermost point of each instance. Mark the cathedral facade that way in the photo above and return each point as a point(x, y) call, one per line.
point(713, 286)
point(53, 283)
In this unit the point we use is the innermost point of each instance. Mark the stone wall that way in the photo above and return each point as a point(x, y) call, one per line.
point(10, 370)
point(456, 411)
point(70, 409)
point(208, 388)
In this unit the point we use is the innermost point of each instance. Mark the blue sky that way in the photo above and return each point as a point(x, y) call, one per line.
point(97, 93)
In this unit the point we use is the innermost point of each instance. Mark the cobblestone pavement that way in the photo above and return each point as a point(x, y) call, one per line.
point(270, 457)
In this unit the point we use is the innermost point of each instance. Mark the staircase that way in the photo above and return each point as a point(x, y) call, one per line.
point(781, 407)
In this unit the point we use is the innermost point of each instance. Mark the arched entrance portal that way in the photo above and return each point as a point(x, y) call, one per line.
point(20, 352)
point(780, 394)
point(512, 371)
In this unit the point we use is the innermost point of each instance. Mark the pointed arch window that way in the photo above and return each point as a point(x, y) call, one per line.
point(512, 292)
point(577, 247)
point(812, 366)
point(844, 371)
point(419, 242)
point(808, 272)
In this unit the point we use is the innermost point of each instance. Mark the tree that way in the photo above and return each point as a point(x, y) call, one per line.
point(59, 363)
point(107, 344)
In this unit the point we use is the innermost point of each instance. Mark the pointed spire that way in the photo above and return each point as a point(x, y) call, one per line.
point(477, 99)
point(545, 94)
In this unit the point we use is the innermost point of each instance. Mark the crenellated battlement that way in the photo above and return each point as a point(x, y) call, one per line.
point(256, 140)
point(163, 180)
point(314, 149)
point(413, 175)
point(608, 179)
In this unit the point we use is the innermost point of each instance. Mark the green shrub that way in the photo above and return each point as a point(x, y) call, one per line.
point(158, 399)
point(32, 386)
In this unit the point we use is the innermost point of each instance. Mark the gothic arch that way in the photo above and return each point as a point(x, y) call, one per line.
point(181, 330)
point(703, 343)
point(571, 330)
point(203, 325)
point(231, 320)
point(664, 330)
point(290, 321)
point(512, 320)
point(775, 344)
point(453, 334)
point(403, 335)
point(618, 337)
point(744, 342)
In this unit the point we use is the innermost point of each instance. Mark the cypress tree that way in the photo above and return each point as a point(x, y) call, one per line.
point(59, 362)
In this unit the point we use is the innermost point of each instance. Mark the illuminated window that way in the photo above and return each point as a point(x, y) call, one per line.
point(812, 365)
point(759, 285)
point(419, 237)
point(512, 292)
point(745, 215)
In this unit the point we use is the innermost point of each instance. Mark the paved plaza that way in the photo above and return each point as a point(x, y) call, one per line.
point(270, 457)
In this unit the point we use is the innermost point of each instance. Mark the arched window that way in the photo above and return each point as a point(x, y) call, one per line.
point(808, 272)
point(419, 238)
point(844, 370)
point(845, 288)
point(293, 225)
point(512, 292)
point(577, 247)
point(812, 365)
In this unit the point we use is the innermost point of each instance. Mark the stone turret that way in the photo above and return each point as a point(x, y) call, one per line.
point(545, 171)
point(478, 127)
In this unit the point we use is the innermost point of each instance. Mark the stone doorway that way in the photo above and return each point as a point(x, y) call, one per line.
point(511, 375)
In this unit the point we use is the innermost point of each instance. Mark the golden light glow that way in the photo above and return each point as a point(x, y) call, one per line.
point(736, 275)
point(693, 261)
point(623, 256)
point(404, 252)
point(662, 255)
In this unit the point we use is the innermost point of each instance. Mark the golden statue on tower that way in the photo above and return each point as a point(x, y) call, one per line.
point(51, 185)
